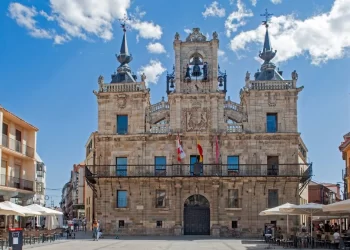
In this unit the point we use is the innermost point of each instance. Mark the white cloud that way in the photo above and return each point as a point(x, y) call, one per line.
point(24, 17)
point(153, 71)
point(156, 48)
point(221, 52)
point(272, 1)
point(276, 1)
point(254, 2)
point(83, 19)
point(222, 55)
point(323, 37)
point(237, 18)
point(214, 10)
point(147, 30)
point(188, 31)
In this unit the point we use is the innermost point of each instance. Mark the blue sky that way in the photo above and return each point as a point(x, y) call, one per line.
point(52, 53)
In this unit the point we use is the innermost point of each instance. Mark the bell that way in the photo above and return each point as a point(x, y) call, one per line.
point(221, 79)
point(188, 72)
point(172, 83)
point(196, 71)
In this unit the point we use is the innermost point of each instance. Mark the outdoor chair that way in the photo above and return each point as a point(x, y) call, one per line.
point(320, 242)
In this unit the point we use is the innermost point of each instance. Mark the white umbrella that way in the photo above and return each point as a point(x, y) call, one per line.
point(18, 208)
point(277, 211)
point(341, 206)
point(43, 210)
point(310, 209)
point(6, 210)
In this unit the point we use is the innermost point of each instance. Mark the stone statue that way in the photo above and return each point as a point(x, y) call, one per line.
point(143, 77)
point(215, 35)
point(177, 36)
point(100, 80)
point(295, 75)
point(247, 76)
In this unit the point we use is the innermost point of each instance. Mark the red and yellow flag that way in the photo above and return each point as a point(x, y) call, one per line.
point(200, 151)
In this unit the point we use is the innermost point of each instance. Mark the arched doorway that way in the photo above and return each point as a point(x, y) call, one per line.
point(196, 215)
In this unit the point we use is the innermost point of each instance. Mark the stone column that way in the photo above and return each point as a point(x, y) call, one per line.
point(214, 112)
point(178, 113)
point(178, 210)
point(215, 229)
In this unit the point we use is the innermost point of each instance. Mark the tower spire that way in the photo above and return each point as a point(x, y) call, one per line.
point(267, 54)
point(268, 69)
point(123, 73)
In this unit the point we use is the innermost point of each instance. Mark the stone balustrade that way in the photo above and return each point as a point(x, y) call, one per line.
point(159, 106)
point(270, 85)
point(234, 128)
point(159, 129)
point(232, 105)
point(120, 87)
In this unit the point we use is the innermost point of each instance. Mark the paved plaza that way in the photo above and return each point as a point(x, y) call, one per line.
point(150, 243)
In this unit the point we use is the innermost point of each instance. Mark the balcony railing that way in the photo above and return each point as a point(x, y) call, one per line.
point(14, 182)
point(199, 170)
point(234, 128)
point(17, 146)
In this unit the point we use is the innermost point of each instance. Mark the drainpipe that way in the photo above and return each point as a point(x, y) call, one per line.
point(93, 193)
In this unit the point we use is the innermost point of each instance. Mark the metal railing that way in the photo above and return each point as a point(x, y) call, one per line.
point(14, 182)
point(199, 170)
point(17, 146)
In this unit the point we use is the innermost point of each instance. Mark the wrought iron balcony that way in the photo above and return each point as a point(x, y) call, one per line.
point(199, 170)
point(14, 182)
point(17, 146)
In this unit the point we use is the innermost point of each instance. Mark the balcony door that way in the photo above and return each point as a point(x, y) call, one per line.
point(3, 173)
point(16, 175)
point(272, 165)
point(196, 168)
point(5, 132)
point(18, 141)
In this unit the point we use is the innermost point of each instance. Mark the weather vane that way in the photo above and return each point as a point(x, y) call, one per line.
point(123, 22)
point(267, 16)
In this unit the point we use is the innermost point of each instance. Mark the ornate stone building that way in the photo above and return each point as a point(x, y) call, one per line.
point(250, 150)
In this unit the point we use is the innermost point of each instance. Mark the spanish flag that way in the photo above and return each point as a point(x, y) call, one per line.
point(200, 151)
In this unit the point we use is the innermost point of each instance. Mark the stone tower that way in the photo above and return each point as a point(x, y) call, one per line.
point(197, 97)
point(123, 102)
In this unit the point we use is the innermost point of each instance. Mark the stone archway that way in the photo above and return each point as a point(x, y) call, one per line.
point(196, 215)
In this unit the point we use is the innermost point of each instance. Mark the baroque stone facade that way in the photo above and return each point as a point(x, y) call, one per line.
point(169, 198)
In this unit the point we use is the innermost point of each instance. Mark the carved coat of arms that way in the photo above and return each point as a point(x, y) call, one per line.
point(121, 101)
point(197, 120)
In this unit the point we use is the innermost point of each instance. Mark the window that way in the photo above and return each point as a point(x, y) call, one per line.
point(272, 165)
point(89, 148)
point(122, 124)
point(39, 188)
point(160, 165)
point(122, 198)
point(234, 224)
point(121, 224)
point(159, 224)
point(160, 198)
point(196, 168)
point(272, 198)
point(122, 166)
point(18, 141)
point(271, 123)
point(233, 200)
point(232, 164)
point(39, 169)
point(5, 129)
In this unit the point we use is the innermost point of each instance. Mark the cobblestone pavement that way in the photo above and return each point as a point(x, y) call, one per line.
point(151, 243)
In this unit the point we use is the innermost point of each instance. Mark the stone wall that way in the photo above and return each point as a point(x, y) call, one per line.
point(141, 214)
